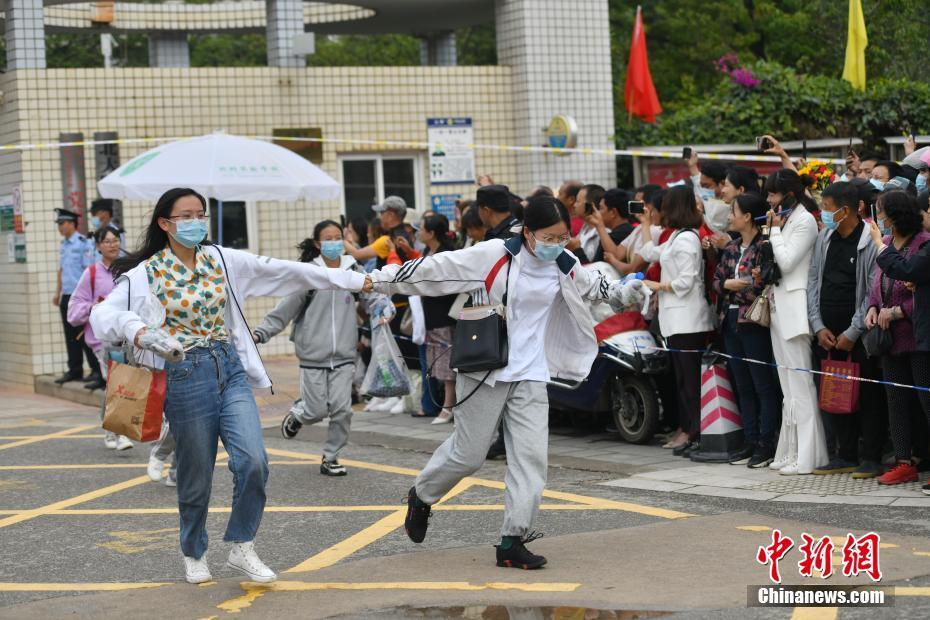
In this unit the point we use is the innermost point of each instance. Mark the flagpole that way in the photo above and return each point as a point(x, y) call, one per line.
point(629, 110)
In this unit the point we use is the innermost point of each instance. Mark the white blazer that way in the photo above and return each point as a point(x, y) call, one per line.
point(132, 306)
point(683, 310)
point(793, 246)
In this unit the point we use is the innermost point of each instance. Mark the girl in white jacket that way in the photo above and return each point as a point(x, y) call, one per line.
point(181, 297)
point(550, 333)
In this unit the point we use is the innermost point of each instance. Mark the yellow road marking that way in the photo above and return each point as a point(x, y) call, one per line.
point(15, 437)
point(753, 528)
point(814, 613)
point(76, 587)
point(388, 469)
point(137, 541)
point(910, 591)
point(922, 553)
point(27, 423)
point(350, 545)
point(38, 438)
point(119, 465)
point(256, 590)
point(79, 499)
point(286, 509)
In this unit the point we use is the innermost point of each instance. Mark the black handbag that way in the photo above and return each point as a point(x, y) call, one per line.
point(480, 341)
point(878, 341)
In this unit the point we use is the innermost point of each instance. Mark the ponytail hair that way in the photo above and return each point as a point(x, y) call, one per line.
point(310, 248)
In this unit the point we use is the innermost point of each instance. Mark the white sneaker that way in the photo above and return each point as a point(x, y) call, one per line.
point(444, 417)
point(374, 403)
point(792, 469)
point(109, 440)
point(779, 463)
point(171, 480)
point(242, 557)
point(400, 407)
point(197, 571)
point(123, 443)
point(387, 404)
point(156, 467)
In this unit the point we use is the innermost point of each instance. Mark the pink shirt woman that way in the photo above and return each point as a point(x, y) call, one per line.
point(95, 284)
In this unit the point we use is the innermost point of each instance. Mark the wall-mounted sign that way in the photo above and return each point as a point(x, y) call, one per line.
point(451, 150)
point(562, 133)
point(444, 204)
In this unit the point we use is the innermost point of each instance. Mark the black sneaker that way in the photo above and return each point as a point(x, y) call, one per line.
point(762, 457)
point(331, 468)
point(290, 426)
point(742, 456)
point(498, 449)
point(518, 556)
point(417, 519)
point(692, 448)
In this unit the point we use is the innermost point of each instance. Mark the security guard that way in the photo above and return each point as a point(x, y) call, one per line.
point(76, 255)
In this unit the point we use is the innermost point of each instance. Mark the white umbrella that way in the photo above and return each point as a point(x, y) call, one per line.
point(223, 167)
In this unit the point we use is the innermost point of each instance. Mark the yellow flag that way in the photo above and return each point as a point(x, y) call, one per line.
point(857, 41)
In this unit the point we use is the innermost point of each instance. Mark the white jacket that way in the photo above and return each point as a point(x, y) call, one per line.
point(120, 316)
point(793, 246)
point(481, 271)
point(684, 309)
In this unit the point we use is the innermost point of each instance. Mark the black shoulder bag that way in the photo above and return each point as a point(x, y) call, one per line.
point(480, 341)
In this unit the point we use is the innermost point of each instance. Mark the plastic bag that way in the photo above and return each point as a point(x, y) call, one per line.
point(387, 373)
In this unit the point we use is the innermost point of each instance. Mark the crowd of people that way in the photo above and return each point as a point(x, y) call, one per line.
point(769, 270)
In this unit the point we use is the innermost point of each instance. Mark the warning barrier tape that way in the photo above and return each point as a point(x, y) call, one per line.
point(419, 145)
point(791, 368)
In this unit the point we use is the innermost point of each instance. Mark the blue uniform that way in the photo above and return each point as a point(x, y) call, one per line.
point(76, 255)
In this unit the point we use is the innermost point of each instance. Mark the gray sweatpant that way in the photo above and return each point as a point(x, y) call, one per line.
point(524, 407)
point(327, 393)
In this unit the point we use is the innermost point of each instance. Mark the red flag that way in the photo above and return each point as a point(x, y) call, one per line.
point(640, 93)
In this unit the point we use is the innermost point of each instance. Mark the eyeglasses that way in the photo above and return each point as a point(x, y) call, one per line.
point(187, 217)
point(552, 238)
point(110, 242)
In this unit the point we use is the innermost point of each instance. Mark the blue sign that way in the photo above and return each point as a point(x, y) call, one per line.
point(445, 204)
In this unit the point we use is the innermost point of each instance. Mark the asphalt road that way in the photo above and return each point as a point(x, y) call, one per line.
point(84, 532)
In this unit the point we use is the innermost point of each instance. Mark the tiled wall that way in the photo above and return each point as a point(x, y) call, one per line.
point(560, 55)
point(351, 102)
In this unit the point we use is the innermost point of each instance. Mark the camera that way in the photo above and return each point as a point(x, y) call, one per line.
point(636, 206)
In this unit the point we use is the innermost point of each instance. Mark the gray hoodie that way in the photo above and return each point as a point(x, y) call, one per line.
point(865, 261)
point(325, 332)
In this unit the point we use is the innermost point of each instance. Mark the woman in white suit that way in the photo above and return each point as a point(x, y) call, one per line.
point(793, 231)
point(684, 315)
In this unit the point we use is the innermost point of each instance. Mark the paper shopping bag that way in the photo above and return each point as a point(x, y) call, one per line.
point(135, 401)
point(838, 394)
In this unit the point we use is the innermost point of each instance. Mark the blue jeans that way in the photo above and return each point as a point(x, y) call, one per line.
point(756, 385)
point(209, 398)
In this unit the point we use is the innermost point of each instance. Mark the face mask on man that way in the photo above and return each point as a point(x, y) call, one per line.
point(332, 249)
point(879, 185)
point(190, 233)
point(706, 194)
point(548, 251)
point(921, 183)
point(829, 219)
point(95, 222)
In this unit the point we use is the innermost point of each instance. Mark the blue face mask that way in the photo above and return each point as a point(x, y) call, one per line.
point(828, 219)
point(706, 194)
point(548, 251)
point(879, 185)
point(332, 249)
point(921, 183)
point(190, 232)
point(95, 222)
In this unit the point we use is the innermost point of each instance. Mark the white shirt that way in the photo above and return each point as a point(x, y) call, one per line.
point(634, 241)
point(589, 239)
point(530, 303)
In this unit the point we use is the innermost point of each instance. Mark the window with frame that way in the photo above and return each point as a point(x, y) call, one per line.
point(368, 178)
point(235, 227)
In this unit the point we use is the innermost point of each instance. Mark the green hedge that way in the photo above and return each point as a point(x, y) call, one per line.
point(788, 105)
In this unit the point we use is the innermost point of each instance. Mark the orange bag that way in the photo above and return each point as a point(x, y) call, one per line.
point(135, 401)
point(839, 395)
